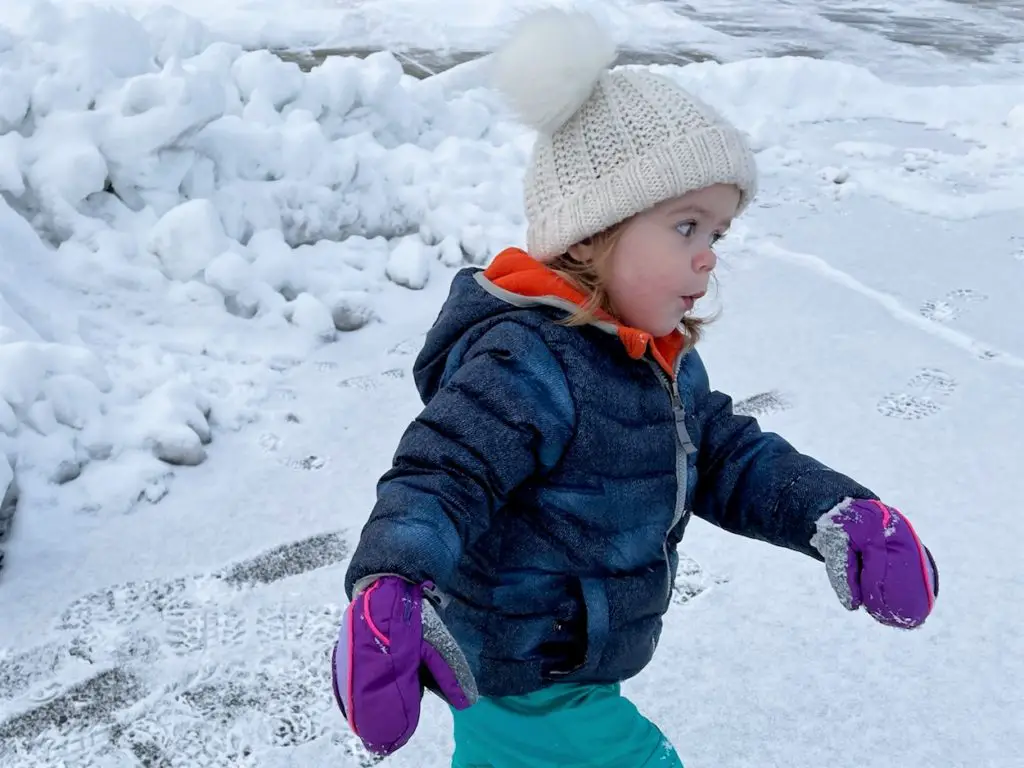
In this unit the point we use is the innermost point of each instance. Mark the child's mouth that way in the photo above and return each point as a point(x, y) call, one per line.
point(692, 299)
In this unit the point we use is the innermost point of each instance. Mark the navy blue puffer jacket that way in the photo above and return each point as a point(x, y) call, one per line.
point(549, 479)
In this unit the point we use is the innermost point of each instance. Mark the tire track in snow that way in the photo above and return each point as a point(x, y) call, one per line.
point(891, 304)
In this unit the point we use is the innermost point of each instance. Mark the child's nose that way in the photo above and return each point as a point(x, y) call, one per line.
point(705, 261)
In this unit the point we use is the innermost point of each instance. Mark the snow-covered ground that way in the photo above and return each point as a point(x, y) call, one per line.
point(215, 271)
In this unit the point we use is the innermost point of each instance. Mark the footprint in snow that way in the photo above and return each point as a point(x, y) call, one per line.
point(924, 394)
point(952, 305)
point(192, 671)
point(273, 444)
point(283, 394)
point(270, 442)
point(308, 463)
point(692, 580)
point(762, 404)
point(410, 346)
point(373, 381)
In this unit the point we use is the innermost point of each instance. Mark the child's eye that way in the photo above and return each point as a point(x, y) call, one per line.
point(687, 228)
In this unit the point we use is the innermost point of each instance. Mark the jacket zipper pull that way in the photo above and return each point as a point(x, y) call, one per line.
point(672, 387)
point(682, 434)
point(680, 414)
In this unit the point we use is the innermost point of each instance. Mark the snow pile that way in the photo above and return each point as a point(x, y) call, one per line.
point(60, 408)
point(195, 193)
point(119, 137)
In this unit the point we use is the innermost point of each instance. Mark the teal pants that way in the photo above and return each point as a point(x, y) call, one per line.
point(564, 726)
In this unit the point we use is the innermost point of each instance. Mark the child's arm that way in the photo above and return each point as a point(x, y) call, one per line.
point(755, 483)
point(504, 414)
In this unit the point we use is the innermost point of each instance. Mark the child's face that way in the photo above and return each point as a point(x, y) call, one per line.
point(663, 259)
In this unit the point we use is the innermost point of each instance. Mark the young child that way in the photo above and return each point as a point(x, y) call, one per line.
point(522, 549)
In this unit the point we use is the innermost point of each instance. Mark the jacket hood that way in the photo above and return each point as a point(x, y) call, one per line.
point(515, 281)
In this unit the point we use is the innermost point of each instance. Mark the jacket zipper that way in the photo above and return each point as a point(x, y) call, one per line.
point(685, 444)
point(672, 386)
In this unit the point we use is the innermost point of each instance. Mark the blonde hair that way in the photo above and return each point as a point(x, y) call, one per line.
point(590, 277)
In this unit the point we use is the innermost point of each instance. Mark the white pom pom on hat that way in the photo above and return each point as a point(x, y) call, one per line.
point(610, 144)
point(548, 68)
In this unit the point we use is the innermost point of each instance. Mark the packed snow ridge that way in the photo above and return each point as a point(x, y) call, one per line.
point(180, 217)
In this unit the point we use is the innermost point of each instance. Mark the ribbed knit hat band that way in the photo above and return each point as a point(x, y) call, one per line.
point(610, 144)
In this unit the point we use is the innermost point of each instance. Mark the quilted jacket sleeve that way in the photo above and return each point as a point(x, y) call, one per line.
point(504, 414)
point(756, 484)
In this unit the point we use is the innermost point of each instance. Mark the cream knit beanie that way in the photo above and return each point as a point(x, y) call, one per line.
point(609, 144)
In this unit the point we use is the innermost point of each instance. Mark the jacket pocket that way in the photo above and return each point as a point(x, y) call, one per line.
point(595, 598)
point(595, 607)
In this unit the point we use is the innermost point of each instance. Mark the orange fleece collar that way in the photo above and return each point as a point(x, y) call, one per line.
point(514, 270)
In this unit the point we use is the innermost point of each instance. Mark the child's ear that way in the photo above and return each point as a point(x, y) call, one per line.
point(583, 251)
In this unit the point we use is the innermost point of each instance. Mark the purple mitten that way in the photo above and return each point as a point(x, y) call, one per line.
point(874, 558)
point(392, 643)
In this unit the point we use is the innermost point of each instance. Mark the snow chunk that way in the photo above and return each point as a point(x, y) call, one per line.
point(6, 478)
point(835, 175)
point(350, 311)
point(40, 417)
point(71, 169)
point(276, 264)
point(333, 87)
point(187, 238)
point(380, 75)
point(309, 313)
point(24, 366)
point(14, 100)
point(11, 177)
point(8, 495)
point(409, 264)
point(8, 419)
point(172, 422)
point(75, 400)
point(450, 252)
point(262, 72)
point(92, 31)
point(175, 35)
point(229, 273)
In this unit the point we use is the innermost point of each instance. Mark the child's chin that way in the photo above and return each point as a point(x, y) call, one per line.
point(656, 326)
point(657, 331)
